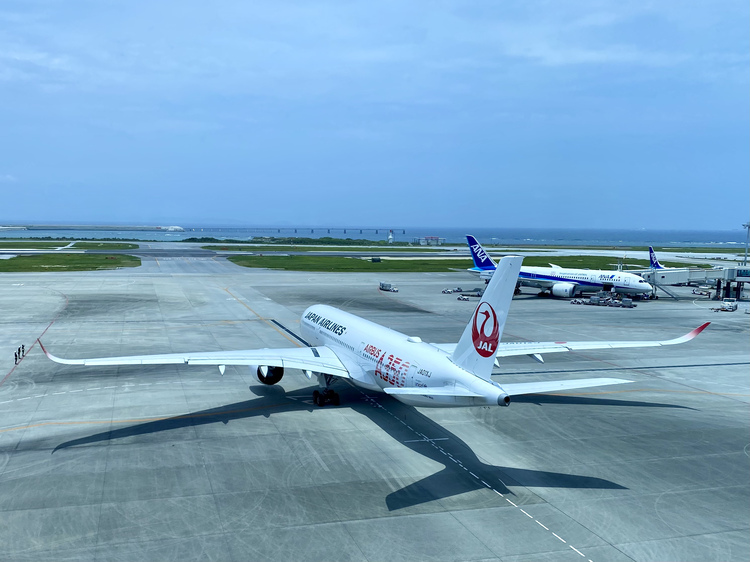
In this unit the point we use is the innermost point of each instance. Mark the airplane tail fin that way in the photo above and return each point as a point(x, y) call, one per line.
point(482, 260)
point(475, 351)
point(652, 258)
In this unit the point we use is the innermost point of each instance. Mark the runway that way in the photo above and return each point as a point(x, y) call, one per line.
point(181, 463)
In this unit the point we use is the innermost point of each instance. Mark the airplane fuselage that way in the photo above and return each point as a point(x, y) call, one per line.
point(379, 358)
point(587, 280)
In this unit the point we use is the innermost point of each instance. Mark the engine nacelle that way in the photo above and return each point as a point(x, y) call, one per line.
point(269, 375)
point(503, 400)
point(564, 289)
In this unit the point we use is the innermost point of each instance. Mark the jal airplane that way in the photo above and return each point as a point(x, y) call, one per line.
point(562, 281)
point(376, 358)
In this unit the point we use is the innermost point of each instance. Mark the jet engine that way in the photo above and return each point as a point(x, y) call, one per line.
point(269, 375)
point(503, 400)
point(564, 289)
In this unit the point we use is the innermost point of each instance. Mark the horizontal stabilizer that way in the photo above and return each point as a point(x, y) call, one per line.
point(432, 391)
point(518, 389)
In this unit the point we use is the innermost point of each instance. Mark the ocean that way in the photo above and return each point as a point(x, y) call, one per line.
point(497, 236)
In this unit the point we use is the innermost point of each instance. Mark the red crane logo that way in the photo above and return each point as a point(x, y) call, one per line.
point(486, 336)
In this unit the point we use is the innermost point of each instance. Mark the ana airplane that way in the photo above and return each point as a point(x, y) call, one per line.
point(373, 357)
point(655, 262)
point(561, 281)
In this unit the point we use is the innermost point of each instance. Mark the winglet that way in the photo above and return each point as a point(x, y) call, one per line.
point(687, 337)
point(43, 348)
point(58, 359)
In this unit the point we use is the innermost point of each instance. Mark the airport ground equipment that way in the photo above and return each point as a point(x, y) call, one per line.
point(388, 287)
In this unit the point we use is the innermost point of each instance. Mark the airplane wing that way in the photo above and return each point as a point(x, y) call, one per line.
point(535, 349)
point(319, 359)
point(538, 283)
point(509, 349)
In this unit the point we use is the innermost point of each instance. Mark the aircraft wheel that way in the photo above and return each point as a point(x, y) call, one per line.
point(317, 398)
point(335, 399)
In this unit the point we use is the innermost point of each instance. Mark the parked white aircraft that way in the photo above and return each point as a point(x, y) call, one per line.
point(561, 281)
point(376, 358)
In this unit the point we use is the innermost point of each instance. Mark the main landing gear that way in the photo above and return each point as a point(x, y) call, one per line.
point(326, 395)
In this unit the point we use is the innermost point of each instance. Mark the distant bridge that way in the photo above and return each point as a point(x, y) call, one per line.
point(311, 230)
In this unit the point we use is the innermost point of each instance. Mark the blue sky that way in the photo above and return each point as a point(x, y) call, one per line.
point(487, 114)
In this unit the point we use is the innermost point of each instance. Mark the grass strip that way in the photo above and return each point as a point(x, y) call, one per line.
point(377, 250)
point(104, 246)
point(344, 264)
point(31, 245)
point(67, 262)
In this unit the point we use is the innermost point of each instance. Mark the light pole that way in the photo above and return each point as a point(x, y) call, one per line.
point(747, 240)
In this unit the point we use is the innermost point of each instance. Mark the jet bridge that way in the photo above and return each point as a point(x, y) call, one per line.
point(683, 276)
point(723, 278)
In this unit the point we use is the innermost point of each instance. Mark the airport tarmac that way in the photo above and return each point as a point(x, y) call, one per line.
point(181, 463)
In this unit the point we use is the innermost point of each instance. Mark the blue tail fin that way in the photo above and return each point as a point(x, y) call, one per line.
point(482, 260)
point(652, 257)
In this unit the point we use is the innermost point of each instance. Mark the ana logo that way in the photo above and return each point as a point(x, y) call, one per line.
point(481, 254)
point(485, 332)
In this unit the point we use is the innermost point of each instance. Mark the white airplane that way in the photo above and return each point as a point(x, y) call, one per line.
point(373, 357)
point(561, 281)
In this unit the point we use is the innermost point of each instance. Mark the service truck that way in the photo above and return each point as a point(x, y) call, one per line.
point(388, 287)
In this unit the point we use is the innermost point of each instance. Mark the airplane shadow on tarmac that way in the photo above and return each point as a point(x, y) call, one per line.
point(396, 419)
